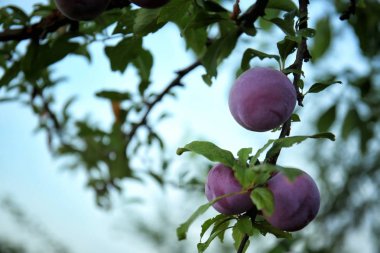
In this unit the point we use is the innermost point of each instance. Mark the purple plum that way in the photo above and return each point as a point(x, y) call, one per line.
point(221, 181)
point(81, 9)
point(149, 4)
point(296, 203)
point(262, 99)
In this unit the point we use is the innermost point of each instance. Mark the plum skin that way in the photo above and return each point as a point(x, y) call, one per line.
point(149, 4)
point(81, 9)
point(296, 203)
point(221, 181)
point(262, 99)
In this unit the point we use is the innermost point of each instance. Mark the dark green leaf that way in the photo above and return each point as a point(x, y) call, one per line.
point(114, 95)
point(263, 200)
point(326, 120)
point(210, 151)
point(318, 87)
point(264, 227)
point(124, 53)
point(250, 53)
point(322, 39)
point(244, 224)
point(218, 51)
point(146, 21)
point(285, 48)
point(238, 236)
point(351, 121)
point(284, 5)
point(286, 25)
point(290, 141)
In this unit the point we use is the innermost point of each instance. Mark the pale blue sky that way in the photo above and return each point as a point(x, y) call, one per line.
point(57, 199)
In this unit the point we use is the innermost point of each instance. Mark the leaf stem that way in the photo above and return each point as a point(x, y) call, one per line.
point(252, 214)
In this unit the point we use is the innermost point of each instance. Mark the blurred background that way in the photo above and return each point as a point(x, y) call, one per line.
point(51, 201)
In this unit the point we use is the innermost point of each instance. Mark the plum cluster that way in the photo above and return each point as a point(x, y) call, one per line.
point(296, 202)
point(90, 9)
point(262, 99)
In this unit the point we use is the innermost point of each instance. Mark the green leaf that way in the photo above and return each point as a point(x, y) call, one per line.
point(250, 53)
point(291, 173)
point(326, 120)
point(286, 25)
point(284, 5)
point(290, 141)
point(124, 53)
point(243, 155)
point(264, 227)
point(146, 21)
point(114, 95)
point(295, 118)
point(10, 73)
point(210, 151)
point(143, 62)
point(261, 150)
point(184, 227)
point(318, 87)
point(263, 199)
point(351, 121)
point(322, 39)
point(218, 51)
point(242, 174)
point(208, 223)
point(244, 224)
point(238, 236)
point(285, 48)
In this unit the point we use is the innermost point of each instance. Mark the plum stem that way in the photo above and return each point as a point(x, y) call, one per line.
point(252, 213)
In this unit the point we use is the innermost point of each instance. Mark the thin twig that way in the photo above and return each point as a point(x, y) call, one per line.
point(149, 106)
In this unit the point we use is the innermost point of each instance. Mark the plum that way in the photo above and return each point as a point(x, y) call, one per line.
point(296, 202)
point(221, 181)
point(81, 9)
point(149, 4)
point(262, 99)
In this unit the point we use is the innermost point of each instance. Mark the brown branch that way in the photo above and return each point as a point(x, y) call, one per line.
point(301, 56)
point(47, 25)
point(149, 106)
point(253, 13)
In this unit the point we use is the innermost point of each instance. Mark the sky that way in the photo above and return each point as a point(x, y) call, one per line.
point(56, 199)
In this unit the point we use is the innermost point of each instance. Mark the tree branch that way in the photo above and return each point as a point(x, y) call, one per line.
point(301, 56)
point(253, 13)
point(252, 214)
point(149, 106)
point(49, 24)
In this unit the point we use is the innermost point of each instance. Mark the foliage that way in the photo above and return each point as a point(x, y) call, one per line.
point(32, 44)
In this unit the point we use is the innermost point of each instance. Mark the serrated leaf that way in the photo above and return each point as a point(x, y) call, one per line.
point(210, 151)
point(250, 53)
point(318, 87)
point(290, 141)
point(263, 199)
point(326, 120)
